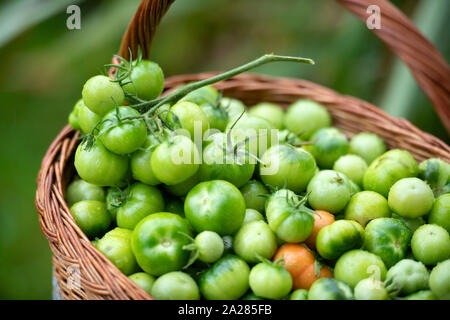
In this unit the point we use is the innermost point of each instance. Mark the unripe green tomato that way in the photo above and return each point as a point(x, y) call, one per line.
point(140, 162)
point(435, 172)
point(430, 244)
point(365, 206)
point(440, 280)
point(413, 224)
point(91, 216)
point(87, 119)
point(352, 166)
point(252, 215)
point(175, 285)
point(254, 240)
point(269, 111)
point(367, 145)
point(329, 144)
point(73, 116)
point(269, 280)
point(330, 289)
point(440, 213)
point(101, 94)
point(147, 80)
point(190, 117)
point(216, 114)
point(210, 246)
point(143, 280)
point(371, 289)
point(407, 276)
point(205, 94)
point(81, 190)
point(421, 295)
point(181, 189)
point(254, 193)
point(234, 108)
point(299, 294)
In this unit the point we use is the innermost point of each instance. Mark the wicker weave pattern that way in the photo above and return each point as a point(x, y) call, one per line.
point(98, 277)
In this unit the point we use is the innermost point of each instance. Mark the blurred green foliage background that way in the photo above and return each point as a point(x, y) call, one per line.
point(44, 65)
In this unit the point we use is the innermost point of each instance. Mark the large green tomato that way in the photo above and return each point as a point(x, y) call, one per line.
point(158, 241)
point(430, 244)
point(140, 162)
point(367, 145)
point(116, 246)
point(143, 280)
point(387, 169)
point(205, 94)
point(436, 173)
point(288, 217)
point(388, 238)
point(87, 119)
point(100, 166)
point(407, 276)
point(189, 117)
point(147, 80)
point(355, 265)
point(175, 285)
point(305, 117)
point(440, 213)
point(215, 205)
point(330, 289)
point(270, 280)
point(255, 240)
point(81, 190)
point(227, 279)
point(411, 198)
point(329, 144)
point(287, 167)
point(269, 111)
point(440, 280)
point(175, 160)
point(254, 193)
point(365, 206)
point(122, 136)
point(339, 237)
point(371, 289)
point(141, 201)
point(329, 190)
point(92, 217)
point(101, 94)
point(352, 166)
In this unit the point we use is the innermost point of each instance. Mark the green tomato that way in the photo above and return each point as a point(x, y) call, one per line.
point(221, 162)
point(339, 237)
point(215, 205)
point(287, 167)
point(352, 166)
point(329, 145)
point(100, 166)
point(142, 200)
point(436, 173)
point(74, 115)
point(227, 244)
point(255, 194)
point(440, 280)
point(306, 117)
point(269, 111)
point(387, 169)
point(81, 190)
point(430, 244)
point(216, 114)
point(270, 280)
point(114, 199)
point(210, 246)
point(388, 238)
point(287, 137)
point(371, 289)
point(299, 294)
point(175, 285)
point(255, 240)
point(174, 205)
point(367, 145)
point(227, 279)
point(365, 206)
point(143, 280)
point(440, 213)
point(181, 189)
point(86, 118)
point(412, 224)
point(116, 246)
point(147, 80)
point(175, 160)
point(330, 289)
point(355, 265)
point(407, 276)
point(411, 198)
point(252, 215)
point(158, 242)
point(205, 94)
point(140, 162)
point(251, 296)
point(122, 136)
point(288, 217)
point(329, 190)
point(92, 217)
point(189, 117)
point(101, 94)
point(421, 295)
point(234, 108)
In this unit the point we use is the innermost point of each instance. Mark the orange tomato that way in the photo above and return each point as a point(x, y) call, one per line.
point(321, 219)
point(300, 264)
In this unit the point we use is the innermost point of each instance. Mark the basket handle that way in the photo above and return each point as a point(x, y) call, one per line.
point(426, 64)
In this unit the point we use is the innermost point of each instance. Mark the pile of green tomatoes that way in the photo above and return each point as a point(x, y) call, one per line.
point(335, 219)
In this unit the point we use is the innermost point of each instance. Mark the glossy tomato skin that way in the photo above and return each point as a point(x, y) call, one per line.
point(227, 279)
point(270, 281)
point(407, 276)
point(92, 217)
point(158, 241)
point(269, 111)
point(367, 145)
point(87, 119)
point(421, 295)
point(430, 244)
point(233, 107)
point(215, 205)
point(371, 289)
point(175, 285)
point(365, 206)
point(147, 80)
point(216, 114)
point(252, 215)
point(321, 219)
point(101, 94)
point(293, 167)
point(329, 145)
point(255, 240)
point(142, 200)
point(388, 238)
point(436, 173)
point(255, 194)
point(339, 237)
point(143, 280)
point(299, 294)
point(352, 166)
point(440, 280)
point(205, 94)
point(210, 246)
point(290, 222)
point(100, 166)
point(440, 213)
point(189, 117)
point(140, 162)
point(330, 289)
point(181, 189)
point(81, 190)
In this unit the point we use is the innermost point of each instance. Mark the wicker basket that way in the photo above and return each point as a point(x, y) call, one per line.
point(82, 272)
